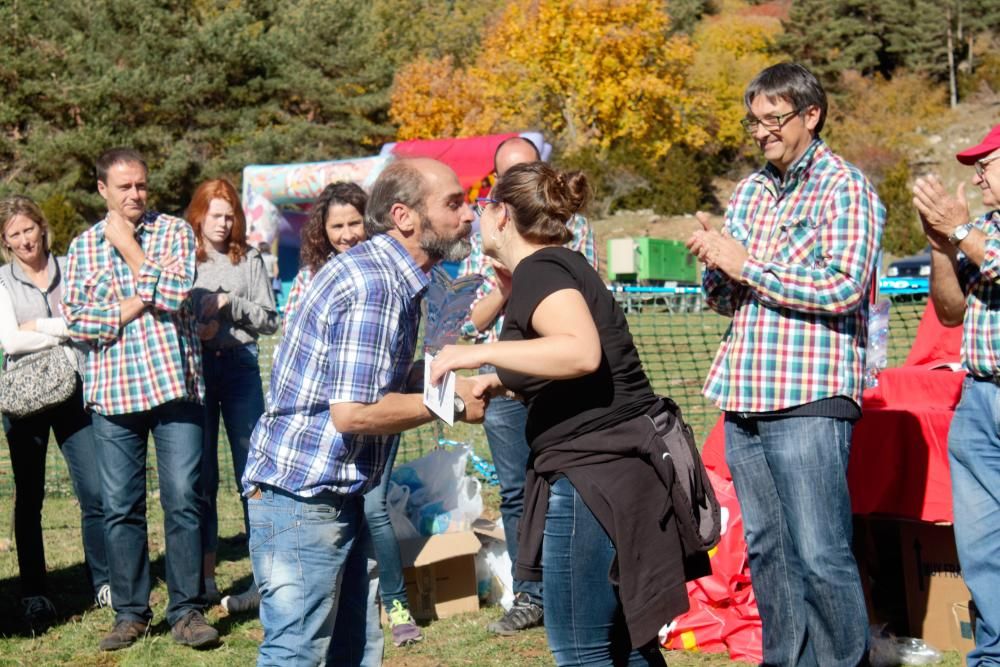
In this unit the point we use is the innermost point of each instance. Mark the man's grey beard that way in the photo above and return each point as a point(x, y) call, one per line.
point(440, 249)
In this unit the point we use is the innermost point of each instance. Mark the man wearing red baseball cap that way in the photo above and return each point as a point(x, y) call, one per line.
point(965, 288)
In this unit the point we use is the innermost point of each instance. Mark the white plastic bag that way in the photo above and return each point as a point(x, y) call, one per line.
point(443, 498)
point(498, 564)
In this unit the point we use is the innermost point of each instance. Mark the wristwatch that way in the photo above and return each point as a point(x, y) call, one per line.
point(459, 407)
point(960, 233)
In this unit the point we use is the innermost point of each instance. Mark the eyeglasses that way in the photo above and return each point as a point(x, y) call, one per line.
point(481, 203)
point(772, 122)
point(980, 165)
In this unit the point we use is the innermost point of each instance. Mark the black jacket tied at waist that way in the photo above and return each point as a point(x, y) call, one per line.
point(624, 478)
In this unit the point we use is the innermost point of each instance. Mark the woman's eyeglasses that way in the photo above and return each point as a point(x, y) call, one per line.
point(481, 203)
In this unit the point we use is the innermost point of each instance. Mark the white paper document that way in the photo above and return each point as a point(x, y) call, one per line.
point(440, 398)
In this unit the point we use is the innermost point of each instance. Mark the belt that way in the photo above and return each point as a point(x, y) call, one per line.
point(992, 379)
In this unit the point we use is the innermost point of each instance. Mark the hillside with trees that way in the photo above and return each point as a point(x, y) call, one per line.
point(644, 94)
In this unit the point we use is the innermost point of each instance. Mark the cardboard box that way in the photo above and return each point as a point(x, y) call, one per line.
point(440, 574)
point(934, 584)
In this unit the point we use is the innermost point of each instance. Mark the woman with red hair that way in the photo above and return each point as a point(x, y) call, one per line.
point(234, 304)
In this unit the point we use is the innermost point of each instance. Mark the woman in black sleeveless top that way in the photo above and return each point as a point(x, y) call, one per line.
point(567, 351)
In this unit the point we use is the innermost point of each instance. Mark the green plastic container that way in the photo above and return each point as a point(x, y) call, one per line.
point(646, 260)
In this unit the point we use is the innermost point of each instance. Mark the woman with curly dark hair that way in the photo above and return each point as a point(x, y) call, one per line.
point(336, 224)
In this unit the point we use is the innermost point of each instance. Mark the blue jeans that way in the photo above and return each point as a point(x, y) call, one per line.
point(383, 538)
point(504, 426)
point(28, 440)
point(232, 387)
point(791, 482)
point(121, 442)
point(974, 454)
point(310, 562)
point(583, 614)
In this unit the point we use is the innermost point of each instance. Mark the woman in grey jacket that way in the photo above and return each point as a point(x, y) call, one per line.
point(234, 304)
point(30, 292)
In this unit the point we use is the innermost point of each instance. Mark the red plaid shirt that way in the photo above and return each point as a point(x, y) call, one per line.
point(800, 312)
point(156, 357)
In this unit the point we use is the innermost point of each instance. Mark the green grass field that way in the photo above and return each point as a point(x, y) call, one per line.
point(676, 349)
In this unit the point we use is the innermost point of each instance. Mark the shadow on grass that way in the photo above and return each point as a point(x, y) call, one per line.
point(72, 596)
point(68, 588)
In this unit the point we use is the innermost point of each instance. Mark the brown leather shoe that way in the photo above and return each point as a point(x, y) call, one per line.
point(123, 635)
point(194, 631)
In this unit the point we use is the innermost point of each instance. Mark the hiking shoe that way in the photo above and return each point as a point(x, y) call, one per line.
point(523, 615)
point(103, 597)
point(194, 631)
point(212, 594)
point(404, 630)
point(38, 612)
point(248, 600)
point(123, 635)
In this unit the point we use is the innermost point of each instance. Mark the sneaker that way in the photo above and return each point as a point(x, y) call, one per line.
point(523, 615)
point(123, 635)
point(212, 594)
point(103, 597)
point(38, 612)
point(404, 630)
point(194, 631)
point(248, 600)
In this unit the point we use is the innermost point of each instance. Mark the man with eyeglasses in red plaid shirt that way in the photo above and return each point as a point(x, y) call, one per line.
point(965, 289)
point(793, 268)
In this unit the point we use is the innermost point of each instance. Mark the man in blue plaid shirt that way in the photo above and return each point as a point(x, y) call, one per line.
point(335, 407)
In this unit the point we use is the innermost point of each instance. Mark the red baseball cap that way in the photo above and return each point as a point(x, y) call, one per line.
point(987, 146)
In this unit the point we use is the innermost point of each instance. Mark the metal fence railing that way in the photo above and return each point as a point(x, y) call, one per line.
point(677, 337)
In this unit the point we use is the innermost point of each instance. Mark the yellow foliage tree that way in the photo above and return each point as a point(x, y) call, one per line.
point(433, 98)
point(730, 49)
point(589, 72)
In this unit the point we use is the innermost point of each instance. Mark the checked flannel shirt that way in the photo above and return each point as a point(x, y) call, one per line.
point(800, 308)
point(352, 342)
point(155, 358)
point(981, 328)
point(478, 263)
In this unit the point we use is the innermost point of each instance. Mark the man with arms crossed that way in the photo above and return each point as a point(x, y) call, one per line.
point(127, 280)
point(335, 407)
point(965, 288)
point(793, 268)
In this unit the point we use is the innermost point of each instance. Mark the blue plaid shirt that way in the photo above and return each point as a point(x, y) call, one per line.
point(353, 342)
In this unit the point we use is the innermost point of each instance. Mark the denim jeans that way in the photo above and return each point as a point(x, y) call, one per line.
point(232, 387)
point(584, 621)
point(974, 454)
point(310, 561)
point(121, 442)
point(504, 426)
point(791, 482)
point(383, 538)
point(28, 440)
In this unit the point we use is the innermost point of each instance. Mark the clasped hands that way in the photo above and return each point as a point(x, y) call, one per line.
point(940, 211)
point(717, 249)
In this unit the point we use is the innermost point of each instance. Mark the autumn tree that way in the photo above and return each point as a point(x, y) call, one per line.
point(593, 72)
point(730, 49)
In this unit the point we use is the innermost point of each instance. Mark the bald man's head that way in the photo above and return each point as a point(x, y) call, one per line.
point(515, 150)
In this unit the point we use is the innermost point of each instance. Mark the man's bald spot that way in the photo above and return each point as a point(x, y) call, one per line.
point(516, 150)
